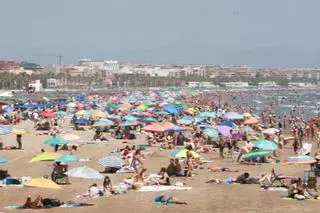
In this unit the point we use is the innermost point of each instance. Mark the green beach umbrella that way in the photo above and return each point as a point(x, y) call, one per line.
point(57, 140)
point(252, 155)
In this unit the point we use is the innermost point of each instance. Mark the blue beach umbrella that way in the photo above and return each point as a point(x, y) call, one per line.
point(57, 140)
point(67, 159)
point(265, 145)
point(3, 160)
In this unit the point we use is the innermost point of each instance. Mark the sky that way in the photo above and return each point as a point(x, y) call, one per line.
point(261, 33)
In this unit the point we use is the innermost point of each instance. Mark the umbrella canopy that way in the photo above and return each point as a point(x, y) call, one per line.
point(42, 183)
point(233, 116)
point(174, 129)
point(228, 123)
point(207, 114)
point(3, 160)
point(130, 118)
point(111, 161)
point(266, 145)
point(270, 131)
point(172, 109)
point(302, 159)
point(84, 172)
point(61, 113)
point(67, 159)
point(212, 133)
point(47, 114)
point(46, 156)
point(96, 114)
point(148, 119)
point(70, 137)
point(158, 127)
point(182, 153)
point(82, 121)
point(251, 121)
point(252, 155)
point(162, 113)
point(19, 131)
point(130, 123)
point(57, 140)
point(224, 130)
point(5, 129)
point(103, 123)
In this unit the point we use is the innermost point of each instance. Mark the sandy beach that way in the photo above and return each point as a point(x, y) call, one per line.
point(202, 198)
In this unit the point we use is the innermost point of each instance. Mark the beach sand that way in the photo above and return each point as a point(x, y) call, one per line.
point(202, 198)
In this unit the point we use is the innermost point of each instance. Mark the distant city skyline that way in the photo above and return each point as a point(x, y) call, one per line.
point(258, 33)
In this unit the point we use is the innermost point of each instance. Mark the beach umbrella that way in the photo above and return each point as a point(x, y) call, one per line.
point(103, 122)
point(224, 130)
point(162, 113)
point(251, 121)
point(212, 133)
point(111, 161)
point(207, 114)
point(246, 115)
point(46, 156)
point(265, 145)
point(5, 129)
point(42, 183)
point(96, 114)
point(61, 113)
point(248, 130)
point(184, 121)
point(255, 154)
point(67, 159)
point(270, 131)
point(182, 153)
point(130, 118)
point(233, 116)
point(47, 114)
point(82, 121)
point(70, 137)
point(174, 129)
point(71, 105)
point(19, 131)
point(172, 109)
point(301, 159)
point(228, 123)
point(84, 172)
point(148, 120)
point(3, 160)
point(130, 123)
point(56, 140)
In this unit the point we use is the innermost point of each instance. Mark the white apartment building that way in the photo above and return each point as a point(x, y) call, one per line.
point(110, 67)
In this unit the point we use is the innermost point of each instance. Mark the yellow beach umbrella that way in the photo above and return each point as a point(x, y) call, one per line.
point(19, 131)
point(46, 156)
point(183, 154)
point(42, 183)
point(96, 114)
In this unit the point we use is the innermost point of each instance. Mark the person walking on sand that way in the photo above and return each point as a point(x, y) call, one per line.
point(19, 141)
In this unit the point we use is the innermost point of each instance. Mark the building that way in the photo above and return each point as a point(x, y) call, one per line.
point(235, 84)
point(52, 83)
point(268, 84)
point(7, 66)
point(201, 84)
point(36, 85)
point(109, 67)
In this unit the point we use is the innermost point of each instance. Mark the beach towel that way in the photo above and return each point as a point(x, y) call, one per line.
point(14, 207)
point(157, 200)
point(274, 189)
point(74, 204)
point(162, 188)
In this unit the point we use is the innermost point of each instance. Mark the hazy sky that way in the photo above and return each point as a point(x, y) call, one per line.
point(262, 33)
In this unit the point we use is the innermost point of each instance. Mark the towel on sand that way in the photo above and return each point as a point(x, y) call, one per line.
point(162, 188)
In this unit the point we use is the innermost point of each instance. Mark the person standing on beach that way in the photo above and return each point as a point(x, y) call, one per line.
point(19, 141)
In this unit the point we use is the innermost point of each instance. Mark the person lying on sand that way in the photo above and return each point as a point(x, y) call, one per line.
point(29, 204)
point(241, 179)
point(221, 169)
point(169, 199)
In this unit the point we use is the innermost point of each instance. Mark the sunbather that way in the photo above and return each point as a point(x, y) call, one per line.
point(169, 199)
point(29, 204)
point(221, 169)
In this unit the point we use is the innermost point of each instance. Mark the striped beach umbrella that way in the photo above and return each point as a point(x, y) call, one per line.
point(5, 129)
point(111, 161)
